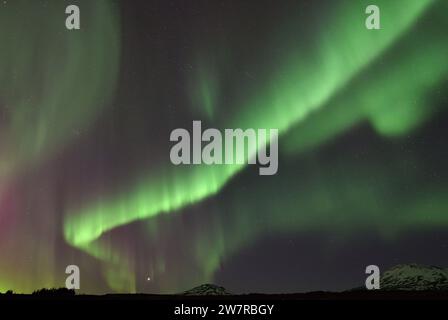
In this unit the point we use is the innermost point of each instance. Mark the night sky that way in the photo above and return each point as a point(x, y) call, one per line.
point(86, 116)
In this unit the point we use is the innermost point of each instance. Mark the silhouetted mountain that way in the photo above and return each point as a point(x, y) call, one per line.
point(207, 290)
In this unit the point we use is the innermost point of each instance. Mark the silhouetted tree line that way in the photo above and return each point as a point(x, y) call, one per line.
point(60, 292)
point(54, 292)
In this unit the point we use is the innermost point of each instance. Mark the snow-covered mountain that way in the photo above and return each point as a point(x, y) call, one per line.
point(415, 277)
point(207, 290)
point(405, 277)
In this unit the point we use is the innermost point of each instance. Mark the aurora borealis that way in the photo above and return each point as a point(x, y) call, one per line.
point(85, 120)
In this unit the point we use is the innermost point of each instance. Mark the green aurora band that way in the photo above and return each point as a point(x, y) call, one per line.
point(53, 85)
point(59, 97)
point(319, 93)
